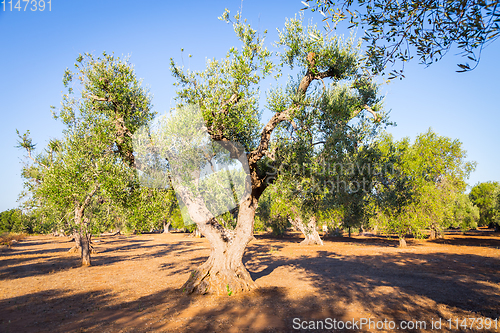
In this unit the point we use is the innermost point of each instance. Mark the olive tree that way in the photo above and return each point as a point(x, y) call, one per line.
point(92, 164)
point(465, 214)
point(484, 197)
point(419, 191)
point(83, 171)
point(226, 93)
point(153, 209)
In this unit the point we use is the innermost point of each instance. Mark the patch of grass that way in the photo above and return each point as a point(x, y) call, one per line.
point(10, 238)
point(272, 250)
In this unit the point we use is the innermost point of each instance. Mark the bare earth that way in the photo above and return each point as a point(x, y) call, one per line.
point(134, 284)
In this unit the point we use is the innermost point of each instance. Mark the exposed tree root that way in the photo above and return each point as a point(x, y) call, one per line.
point(209, 279)
point(111, 233)
point(74, 249)
point(312, 240)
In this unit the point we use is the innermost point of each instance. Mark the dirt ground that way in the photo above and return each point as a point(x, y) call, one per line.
point(134, 285)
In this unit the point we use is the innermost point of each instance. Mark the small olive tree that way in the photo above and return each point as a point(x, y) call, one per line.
point(419, 191)
point(103, 106)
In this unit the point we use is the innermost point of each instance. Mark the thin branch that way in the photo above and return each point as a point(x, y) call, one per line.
point(35, 160)
point(100, 99)
point(369, 109)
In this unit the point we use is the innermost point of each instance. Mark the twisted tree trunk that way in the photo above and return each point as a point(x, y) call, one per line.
point(224, 271)
point(78, 245)
point(166, 227)
point(86, 249)
point(82, 237)
point(309, 230)
point(432, 234)
point(82, 234)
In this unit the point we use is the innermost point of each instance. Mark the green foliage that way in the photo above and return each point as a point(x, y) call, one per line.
point(394, 28)
point(14, 220)
point(313, 122)
point(485, 197)
point(10, 220)
point(266, 216)
point(419, 192)
point(226, 90)
point(331, 52)
point(85, 180)
point(331, 128)
point(106, 88)
point(465, 214)
point(85, 172)
point(151, 208)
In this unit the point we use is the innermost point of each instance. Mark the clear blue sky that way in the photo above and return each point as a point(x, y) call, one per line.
point(36, 48)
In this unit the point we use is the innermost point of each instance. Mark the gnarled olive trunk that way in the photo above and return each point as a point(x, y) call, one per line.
point(86, 249)
point(309, 230)
point(82, 237)
point(224, 271)
point(435, 233)
point(432, 234)
point(78, 245)
point(166, 227)
point(402, 242)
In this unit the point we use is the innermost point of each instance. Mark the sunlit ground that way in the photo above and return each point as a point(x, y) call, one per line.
point(134, 284)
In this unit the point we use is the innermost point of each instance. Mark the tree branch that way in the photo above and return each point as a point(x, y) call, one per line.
point(89, 196)
point(35, 160)
point(369, 109)
point(232, 100)
point(310, 76)
point(97, 98)
point(265, 137)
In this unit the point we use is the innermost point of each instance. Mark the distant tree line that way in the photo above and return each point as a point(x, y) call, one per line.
point(422, 193)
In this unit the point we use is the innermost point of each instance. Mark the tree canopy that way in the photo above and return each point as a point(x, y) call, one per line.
point(485, 198)
point(397, 31)
point(418, 192)
point(91, 166)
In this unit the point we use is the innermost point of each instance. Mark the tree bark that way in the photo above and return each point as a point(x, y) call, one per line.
point(82, 236)
point(166, 227)
point(78, 245)
point(85, 249)
point(402, 242)
point(224, 271)
point(309, 230)
point(432, 234)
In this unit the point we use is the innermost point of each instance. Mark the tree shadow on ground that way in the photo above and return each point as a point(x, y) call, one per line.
point(401, 280)
point(20, 249)
point(377, 240)
point(469, 241)
point(48, 265)
point(50, 261)
point(393, 285)
point(265, 309)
